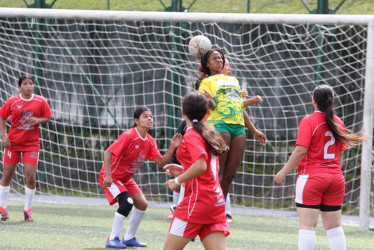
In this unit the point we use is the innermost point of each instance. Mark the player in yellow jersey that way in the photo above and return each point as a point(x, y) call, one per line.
point(227, 114)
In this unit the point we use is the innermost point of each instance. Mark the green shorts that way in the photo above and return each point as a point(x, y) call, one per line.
point(233, 129)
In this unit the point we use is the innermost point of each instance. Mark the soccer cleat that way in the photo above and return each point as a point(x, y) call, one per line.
point(228, 218)
point(114, 243)
point(27, 214)
point(4, 213)
point(133, 243)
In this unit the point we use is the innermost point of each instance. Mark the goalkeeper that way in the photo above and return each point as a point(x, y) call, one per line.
point(121, 161)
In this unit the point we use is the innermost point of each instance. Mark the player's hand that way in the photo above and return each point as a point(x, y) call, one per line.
point(108, 181)
point(173, 169)
point(176, 140)
point(207, 95)
point(5, 141)
point(261, 137)
point(244, 93)
point(279, 177)
point(171, 185)
point(257, 99)
point(34, 121)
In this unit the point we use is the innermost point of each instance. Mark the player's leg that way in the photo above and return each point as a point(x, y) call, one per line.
point(174, 242)
point(10, 161)
point(308, 223)
point(215, 241)
point(136, 218)
point(232, 162)
point(30, 162)
point(331, 214)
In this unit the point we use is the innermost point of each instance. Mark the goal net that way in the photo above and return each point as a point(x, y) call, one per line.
point(95, 67)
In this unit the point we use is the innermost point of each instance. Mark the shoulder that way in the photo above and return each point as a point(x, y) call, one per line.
point(40, 98)
point(14, 98)
point(191, 136)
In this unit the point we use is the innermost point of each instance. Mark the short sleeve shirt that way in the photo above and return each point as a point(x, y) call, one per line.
point(203, 200)
point(323, 150)
point(129, 152)
point(22, 135)
point(226, 93)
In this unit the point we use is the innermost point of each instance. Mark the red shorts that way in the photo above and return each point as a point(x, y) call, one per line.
point(320, 188)
point(190, 230)
point(13, 157)
point(118, 187)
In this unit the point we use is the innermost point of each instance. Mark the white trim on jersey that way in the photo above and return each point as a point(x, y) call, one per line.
point(26, 100)
point(300, 184)
point(190, 201)
point(143, 139)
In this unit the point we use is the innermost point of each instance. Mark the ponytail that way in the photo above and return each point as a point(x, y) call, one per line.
point(323, 95)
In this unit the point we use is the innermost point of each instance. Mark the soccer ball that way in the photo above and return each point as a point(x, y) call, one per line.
point(198, 45)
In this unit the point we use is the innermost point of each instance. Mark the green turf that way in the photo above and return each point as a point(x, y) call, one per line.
point(87, 227)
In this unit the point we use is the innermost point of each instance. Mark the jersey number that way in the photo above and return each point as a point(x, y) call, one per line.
point(327, 145)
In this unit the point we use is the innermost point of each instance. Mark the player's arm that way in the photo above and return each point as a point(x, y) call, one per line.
point(261, 137)
point(211, 103)
point(4, 136)
point(35, 120)
point(297, 155)
point(107, 166)
point(174, 143)
point(196, 169)
point(253, 100)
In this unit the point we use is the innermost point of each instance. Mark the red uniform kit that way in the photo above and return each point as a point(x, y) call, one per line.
point(202, 209)
point(23, 136)
point(320, 166)
point(129, 151)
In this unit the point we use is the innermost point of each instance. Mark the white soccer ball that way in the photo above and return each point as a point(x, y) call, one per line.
point(198, 45)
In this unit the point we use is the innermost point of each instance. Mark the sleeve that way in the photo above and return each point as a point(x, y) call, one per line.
point(205, 85)
point(119, 145)
point(195, 146)
point(46, 109)
point(304, 136)
point(5, 110)
point(154, 153)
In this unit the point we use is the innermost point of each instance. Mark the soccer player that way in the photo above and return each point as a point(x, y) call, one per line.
point(227, 114)
point(202, 210)
point(26, 110)
point(320, 185)
point(121, 161)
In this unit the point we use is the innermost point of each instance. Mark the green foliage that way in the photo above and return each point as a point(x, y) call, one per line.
point(356, 7)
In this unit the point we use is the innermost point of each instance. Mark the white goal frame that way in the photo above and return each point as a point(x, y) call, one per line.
point(368, 20)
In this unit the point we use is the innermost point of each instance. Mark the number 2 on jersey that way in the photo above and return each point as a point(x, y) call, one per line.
point(327, 145)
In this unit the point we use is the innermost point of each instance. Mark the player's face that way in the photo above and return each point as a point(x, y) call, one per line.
point(215, 62)
point(27, 88)
point(145, 120)
point(226, 69)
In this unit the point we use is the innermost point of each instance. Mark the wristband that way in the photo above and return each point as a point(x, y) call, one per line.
point(177, 181)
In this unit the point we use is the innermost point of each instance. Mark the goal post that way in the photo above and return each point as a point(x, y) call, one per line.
point(95, 67)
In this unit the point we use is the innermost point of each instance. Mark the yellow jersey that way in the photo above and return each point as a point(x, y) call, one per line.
point(226, 93)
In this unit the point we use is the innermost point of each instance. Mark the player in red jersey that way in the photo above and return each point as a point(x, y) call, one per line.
point(320, 185)
point(26, 110)
point(121, 161)
point(202, 210)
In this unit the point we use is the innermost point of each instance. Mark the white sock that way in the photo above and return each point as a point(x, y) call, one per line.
point(307, 239)
point(228, 205)
point(29, 197)
point(337, 238)
point(175, 198)
point(181, 194)
point(135, 219)
point(118, 224)
point(4, 191)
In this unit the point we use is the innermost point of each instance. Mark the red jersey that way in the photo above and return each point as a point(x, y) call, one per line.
point(22, 135)
point(203, 200)
point(130, 151)
point(323, 150)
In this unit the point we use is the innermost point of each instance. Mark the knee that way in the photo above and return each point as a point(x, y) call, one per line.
point(125, 203)
point(143, 205)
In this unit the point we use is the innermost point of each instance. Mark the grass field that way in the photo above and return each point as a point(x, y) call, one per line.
point(87, 227)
